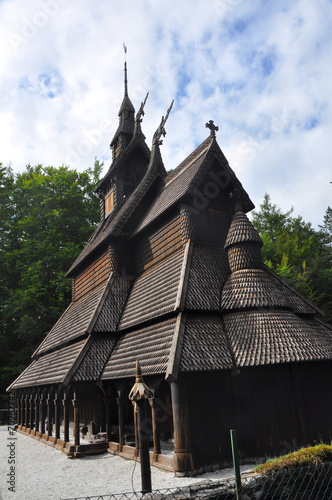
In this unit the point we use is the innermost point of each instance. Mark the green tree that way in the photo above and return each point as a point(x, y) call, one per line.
point(47, 216)
point(297, 252)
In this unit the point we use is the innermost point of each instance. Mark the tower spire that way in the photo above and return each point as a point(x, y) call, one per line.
point(125, 71)
point(125, 80)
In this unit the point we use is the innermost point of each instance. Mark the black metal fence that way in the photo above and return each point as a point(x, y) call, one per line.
point(305, 483)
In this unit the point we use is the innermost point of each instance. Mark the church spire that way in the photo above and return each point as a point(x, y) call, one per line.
point(125, 80)
point(125, 71)
point(125, 130)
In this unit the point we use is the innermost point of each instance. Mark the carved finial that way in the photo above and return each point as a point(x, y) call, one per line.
point(161, 129)
point(140, 112)
point(213, 128)
point(139, 390)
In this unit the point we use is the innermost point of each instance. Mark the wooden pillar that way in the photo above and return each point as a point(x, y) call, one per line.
point(182, 459)
point(57, 414)
point(76, 421)
point(155, 430)
point(107, 402)
point(18, 409)
point(20, 414)
point(49, 404)
point(36, 413)
point(31, 408)
point(42, 413)
point(65, 402)
point(26, 411)
point(121, 426)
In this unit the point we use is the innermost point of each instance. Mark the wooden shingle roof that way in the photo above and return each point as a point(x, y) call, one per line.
point(74, 322)
point(95, 358)
point(155, 292)
point(51, 368)
point(252, 288)
point(268, 337)
point(151, 345)
point(208, 272)
point(204, 345)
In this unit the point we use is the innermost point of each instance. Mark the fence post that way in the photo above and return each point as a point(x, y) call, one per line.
point(236, 465)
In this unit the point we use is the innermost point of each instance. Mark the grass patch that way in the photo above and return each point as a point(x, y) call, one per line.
point(313, 455)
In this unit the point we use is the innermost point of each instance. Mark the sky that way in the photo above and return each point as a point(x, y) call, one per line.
point(261, 69)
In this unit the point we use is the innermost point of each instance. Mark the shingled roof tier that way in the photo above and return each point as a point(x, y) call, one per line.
point(155, 292)
point(204, 345)
point(99, 310)
point(299, 303)
point(241, 231)
point(95, 358)
point(74, 322)
point(207, 274)
point(269, 337)
point(252, 288)
point(150, 345)
point(52, 368)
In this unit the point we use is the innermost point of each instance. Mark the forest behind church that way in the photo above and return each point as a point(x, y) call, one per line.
point(46, 217)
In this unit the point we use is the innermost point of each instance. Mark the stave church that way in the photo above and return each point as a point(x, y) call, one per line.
point(173, 276)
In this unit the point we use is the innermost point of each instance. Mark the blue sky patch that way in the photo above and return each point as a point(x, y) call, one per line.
point(48, 85)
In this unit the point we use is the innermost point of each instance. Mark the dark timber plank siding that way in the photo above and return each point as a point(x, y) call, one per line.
point(269, 406)
point(96, 274)
point(159, 245)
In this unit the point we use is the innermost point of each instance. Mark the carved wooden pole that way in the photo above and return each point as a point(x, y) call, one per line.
point(140, 393)
point(135, 428)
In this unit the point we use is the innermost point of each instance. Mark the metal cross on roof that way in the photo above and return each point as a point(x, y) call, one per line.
point(212, 127)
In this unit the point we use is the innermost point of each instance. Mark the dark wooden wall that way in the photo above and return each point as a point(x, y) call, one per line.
point(274, 409)
point(94, 275)
point(153, 248)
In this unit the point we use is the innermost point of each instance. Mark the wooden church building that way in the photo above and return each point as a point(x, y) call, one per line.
point(173, 277)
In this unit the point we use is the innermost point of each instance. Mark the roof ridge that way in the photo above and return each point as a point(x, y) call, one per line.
point(188, 160)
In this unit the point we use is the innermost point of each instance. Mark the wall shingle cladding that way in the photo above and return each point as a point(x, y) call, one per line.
point(51, 368)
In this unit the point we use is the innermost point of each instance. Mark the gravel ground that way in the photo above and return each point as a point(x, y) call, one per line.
point(44, 473)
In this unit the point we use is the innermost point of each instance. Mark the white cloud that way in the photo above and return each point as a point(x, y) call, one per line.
point(260, 70)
